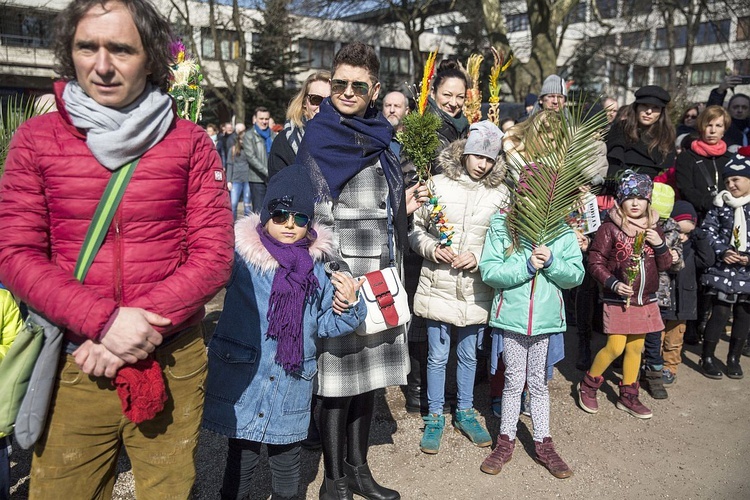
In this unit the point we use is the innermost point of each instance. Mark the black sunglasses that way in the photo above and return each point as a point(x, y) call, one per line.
point(315, 99)
point(282, 216)
point(358, 88)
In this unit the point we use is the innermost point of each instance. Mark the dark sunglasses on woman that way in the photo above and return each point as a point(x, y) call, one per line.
point(315, 99)
point(282, 216)
point(358, 88)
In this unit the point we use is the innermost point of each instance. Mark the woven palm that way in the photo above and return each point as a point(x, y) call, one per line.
point(557, 160)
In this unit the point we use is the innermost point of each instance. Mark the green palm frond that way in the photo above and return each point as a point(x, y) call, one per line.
point(17, 110)
point(559, 155)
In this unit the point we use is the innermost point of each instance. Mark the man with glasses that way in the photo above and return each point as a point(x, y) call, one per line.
point(257, 145)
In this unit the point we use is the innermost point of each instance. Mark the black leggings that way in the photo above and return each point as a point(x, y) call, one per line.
point(243, 457)
point(344, 425)
point(719, 317)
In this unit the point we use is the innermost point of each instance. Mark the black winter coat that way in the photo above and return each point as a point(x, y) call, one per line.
point(699, 178)
point(697, 255)
point(623, 154)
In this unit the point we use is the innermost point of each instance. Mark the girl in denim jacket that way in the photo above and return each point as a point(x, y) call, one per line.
point(262, 357)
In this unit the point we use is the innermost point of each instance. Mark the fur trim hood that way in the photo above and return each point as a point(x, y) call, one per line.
point(254, 253)
point(449, 161)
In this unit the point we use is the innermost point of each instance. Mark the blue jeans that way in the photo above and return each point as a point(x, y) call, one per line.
point(439, 344)
point(243, 189)
point(652, 351)
point(257, 193)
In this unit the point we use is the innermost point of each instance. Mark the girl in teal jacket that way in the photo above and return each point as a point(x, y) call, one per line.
point(527, 309)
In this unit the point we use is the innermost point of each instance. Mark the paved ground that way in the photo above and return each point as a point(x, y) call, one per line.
point(697, 446)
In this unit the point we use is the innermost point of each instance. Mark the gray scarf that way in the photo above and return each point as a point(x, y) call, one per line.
point(118, 136)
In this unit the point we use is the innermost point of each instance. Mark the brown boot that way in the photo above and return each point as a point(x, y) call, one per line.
point(500, 456)
point(630, 403)
point(587, 393)
point(548, 457)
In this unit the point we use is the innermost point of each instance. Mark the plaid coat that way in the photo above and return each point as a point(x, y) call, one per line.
point(352, 365)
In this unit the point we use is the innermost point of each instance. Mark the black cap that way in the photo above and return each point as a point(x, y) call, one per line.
point(291, 190)
point(652, 94)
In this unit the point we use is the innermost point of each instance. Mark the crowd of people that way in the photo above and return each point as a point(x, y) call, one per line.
point(327, 198)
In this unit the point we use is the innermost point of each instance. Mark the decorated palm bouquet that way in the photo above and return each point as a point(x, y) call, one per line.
point(419, 142)
point(634, 269)
point(184, 84)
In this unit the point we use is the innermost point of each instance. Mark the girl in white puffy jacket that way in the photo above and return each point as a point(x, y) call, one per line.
point(450, 291)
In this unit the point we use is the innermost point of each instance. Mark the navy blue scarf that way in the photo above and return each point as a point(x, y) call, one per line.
point(337, 147)
point(265, 134)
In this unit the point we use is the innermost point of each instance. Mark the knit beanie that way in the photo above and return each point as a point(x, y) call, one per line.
point(290, 190)
point(662, 199)
point(684, 210)
point(553, 84)
point(485, 139)
point(634, 185)
point(739, 165)
point(530, 99)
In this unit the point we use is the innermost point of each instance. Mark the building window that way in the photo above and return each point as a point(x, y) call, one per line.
point(317, 54)
point(662, 76)
point(517, 22)
point(640, 76)
point(394, 62)
point(712, 32)
point(228, 41)
point(680, 37)
point(632, 8)
point(618, 74)
point(578, 14)
point(637, 39)
point(743, 28)
point(742, 67)
point(26, 27)
point(607, 8)
point(707, 73)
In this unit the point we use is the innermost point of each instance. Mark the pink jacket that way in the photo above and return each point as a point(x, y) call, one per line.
point(168, 250)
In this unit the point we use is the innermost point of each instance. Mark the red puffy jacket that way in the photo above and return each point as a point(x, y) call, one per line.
point(169, 248)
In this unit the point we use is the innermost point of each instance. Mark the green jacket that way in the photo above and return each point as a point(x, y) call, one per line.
point(513, 308)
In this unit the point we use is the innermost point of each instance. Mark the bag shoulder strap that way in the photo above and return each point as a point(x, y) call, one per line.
point(103, 216)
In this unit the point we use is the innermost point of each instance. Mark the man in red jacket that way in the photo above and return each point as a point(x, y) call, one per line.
point(134, 361)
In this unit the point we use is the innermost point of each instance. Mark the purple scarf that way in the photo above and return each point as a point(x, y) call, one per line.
point(293, 284)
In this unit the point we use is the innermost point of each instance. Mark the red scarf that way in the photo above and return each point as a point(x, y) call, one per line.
point(708, 150)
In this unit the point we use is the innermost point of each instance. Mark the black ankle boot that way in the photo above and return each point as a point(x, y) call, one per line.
point(363, 484)
point(733, 359)
point(708, 362)
point(416, 380)
point(335, 489)
point(746, 349)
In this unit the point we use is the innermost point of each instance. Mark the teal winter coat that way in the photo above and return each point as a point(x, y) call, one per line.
point(514, 308)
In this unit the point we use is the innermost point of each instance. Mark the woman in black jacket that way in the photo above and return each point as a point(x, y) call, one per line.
point(699, 165)
point(644, 139)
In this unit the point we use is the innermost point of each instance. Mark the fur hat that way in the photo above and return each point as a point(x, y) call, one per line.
point(634, 185)
point(291, 190)
point(662, 199)
point(485, 139)
point(739, 165)
point(553, 84)
point(652, 94)
point(684, 210)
